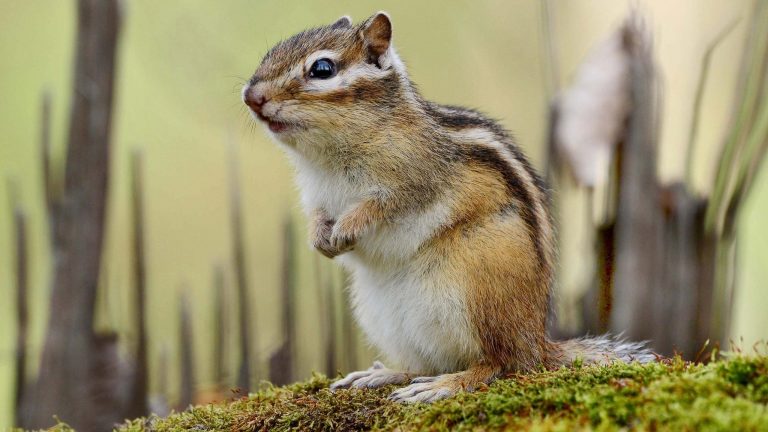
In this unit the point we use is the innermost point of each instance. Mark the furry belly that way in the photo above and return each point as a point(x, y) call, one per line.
point(422, 327)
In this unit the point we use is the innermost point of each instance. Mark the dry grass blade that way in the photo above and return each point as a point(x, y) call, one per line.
point(729, 175)
point(706, 63)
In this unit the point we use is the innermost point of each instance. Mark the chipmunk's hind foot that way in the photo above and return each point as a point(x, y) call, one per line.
point(432, 389)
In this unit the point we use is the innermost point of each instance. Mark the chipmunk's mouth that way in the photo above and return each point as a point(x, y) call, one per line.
point(275, 126)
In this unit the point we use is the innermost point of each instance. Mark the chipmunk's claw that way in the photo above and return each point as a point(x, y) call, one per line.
point(424, 389)
point(377, 375)
point(341, 241)
point(433, 388)
point(423, 379)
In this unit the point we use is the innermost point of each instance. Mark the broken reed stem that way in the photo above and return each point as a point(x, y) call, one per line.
point(186, 339)
point(220, 321)
point(282, 361)
point(49, 187)
point(137, 404)
point(349, 332)
point(163, 372)
point(327, 309)
point(22, 287)
point(245, 318)
point(289, 294)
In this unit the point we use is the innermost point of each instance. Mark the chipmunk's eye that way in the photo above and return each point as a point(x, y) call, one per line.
point(322, 69)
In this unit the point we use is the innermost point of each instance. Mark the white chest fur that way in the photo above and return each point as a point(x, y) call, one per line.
point(327, 190)
point(416, 317)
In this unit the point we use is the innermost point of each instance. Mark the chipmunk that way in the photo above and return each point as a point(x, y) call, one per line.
point(441, 220)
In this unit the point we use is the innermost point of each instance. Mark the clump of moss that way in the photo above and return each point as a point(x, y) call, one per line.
point(729, 394)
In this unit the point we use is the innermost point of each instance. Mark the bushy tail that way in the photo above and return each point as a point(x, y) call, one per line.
point(602, 350)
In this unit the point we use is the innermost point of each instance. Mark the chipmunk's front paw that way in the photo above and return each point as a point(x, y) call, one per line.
point(322, 238)
point(376, 376)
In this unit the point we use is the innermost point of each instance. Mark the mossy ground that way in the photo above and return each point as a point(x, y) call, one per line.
point(726, 395)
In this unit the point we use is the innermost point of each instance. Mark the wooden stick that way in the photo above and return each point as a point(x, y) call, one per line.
point(638, 217)
point(66, 378)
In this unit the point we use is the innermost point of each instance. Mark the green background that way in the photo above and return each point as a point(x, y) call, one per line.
point(181, 66)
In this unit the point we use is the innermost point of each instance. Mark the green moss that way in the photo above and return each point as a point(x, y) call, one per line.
point(726, 395)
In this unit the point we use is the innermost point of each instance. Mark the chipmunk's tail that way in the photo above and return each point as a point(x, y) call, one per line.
point(601, 349)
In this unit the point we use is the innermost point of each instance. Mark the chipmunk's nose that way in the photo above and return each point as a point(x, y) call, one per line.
point(254, 99)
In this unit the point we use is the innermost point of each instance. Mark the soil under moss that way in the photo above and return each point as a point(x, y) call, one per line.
point(727, 395)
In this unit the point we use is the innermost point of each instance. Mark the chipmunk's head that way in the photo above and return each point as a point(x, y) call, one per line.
point(328, 82)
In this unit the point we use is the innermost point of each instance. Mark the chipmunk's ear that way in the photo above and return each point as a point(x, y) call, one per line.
point(377, 34)
point(343, 22)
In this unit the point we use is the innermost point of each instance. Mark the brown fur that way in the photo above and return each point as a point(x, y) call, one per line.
point(507, 293)
point(497, 227)
point(411, 153)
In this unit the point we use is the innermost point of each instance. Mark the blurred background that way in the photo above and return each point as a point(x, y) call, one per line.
point(202, 219)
